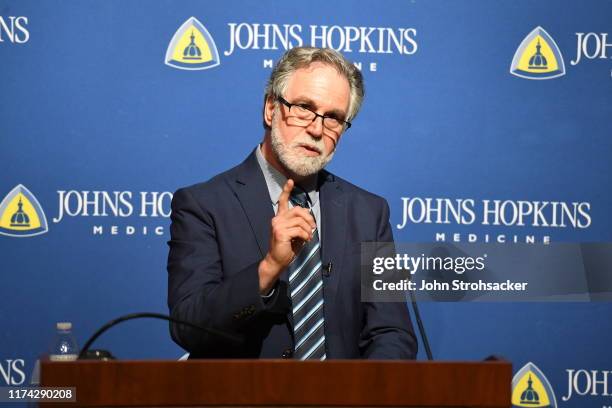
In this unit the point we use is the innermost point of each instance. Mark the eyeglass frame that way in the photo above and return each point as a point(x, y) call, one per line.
point(323, 117)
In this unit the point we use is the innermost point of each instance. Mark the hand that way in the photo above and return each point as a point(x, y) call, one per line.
point(290, 230)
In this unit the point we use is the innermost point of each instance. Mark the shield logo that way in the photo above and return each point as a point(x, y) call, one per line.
point(538, 57)
point(192, 47)
point(21, 215)
point(530, 388)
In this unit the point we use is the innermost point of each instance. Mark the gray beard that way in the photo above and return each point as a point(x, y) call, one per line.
point(302, 166)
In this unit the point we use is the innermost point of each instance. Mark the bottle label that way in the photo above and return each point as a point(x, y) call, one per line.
point(63, 357)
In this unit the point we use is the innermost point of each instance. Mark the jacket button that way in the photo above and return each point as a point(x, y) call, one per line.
point(288, 353)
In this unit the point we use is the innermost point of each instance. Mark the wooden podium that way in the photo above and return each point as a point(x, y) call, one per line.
point(282, 383)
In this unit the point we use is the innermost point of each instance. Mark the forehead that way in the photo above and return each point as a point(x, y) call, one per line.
point(321, 84)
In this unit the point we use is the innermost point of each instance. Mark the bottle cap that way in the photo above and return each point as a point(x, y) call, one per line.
point(64, 326)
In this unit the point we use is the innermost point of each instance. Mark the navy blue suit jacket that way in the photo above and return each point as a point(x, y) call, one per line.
point(220, 232)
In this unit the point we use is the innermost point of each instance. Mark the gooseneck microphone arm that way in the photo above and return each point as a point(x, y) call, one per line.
point(417, 317)
point(98, 333)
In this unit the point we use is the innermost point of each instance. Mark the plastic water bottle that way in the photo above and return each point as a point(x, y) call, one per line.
point(64, 346)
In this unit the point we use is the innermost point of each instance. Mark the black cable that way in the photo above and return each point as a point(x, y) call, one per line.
point(132, 316)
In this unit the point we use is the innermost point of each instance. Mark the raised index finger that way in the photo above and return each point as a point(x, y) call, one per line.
point(283, 200)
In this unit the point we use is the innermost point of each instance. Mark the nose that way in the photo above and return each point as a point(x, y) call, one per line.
point(315, 128)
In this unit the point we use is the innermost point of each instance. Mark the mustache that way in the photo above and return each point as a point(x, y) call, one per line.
point(318, 146)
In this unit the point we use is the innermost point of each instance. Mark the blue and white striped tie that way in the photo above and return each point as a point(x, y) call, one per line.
point(306, 286)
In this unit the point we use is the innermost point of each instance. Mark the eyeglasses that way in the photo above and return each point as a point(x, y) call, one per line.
point(304, 116)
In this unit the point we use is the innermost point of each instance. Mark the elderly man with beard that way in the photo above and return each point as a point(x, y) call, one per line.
point(269, 251)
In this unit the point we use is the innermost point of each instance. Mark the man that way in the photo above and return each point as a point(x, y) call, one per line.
point(270, 250)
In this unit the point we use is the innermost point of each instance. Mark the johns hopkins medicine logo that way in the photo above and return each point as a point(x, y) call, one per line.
point(530, 388)
point(192, 47)
point(538, 57)
point(21, 215)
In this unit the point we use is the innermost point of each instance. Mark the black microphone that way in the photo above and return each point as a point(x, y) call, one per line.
point(327, 270)
point(218, 333)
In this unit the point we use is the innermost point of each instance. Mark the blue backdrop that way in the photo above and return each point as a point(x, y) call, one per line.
point(96, 125)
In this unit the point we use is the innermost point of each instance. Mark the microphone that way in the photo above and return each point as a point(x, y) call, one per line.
point(84, 352)
point(327, 269)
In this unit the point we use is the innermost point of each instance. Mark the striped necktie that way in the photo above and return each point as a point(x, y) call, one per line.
point(306, 286)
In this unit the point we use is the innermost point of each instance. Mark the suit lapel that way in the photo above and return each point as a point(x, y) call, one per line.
point(333, 214)
point(250, 187)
